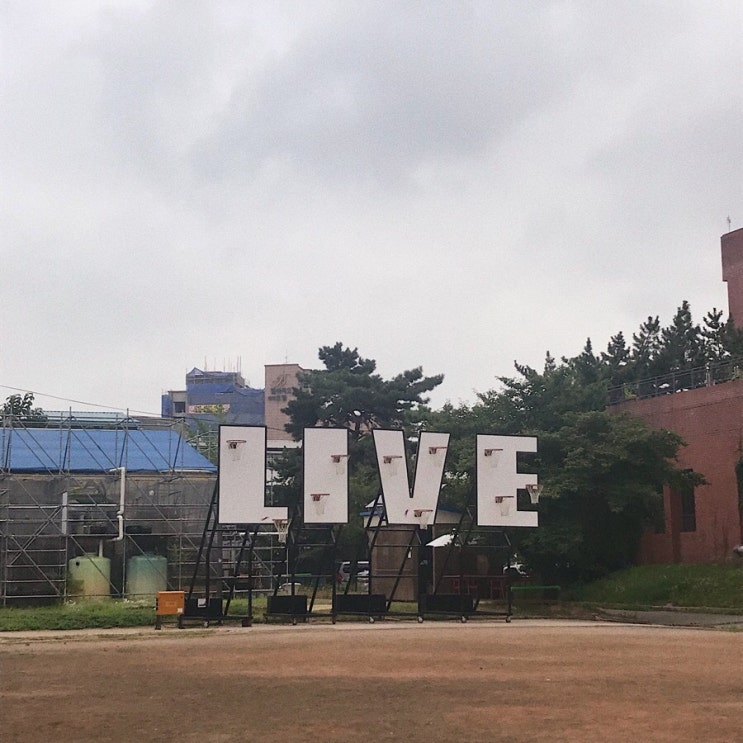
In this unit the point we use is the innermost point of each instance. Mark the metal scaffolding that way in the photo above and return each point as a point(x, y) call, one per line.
point(76, 495)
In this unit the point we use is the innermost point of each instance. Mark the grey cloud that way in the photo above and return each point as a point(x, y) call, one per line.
point(374, 94)
point(189, 178)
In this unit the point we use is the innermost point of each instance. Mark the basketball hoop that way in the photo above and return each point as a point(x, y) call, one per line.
point(504, 504)
point(233, 446)
point(393, 461)
point(282, 529)
point(534, 490)
point(493, 456)
point(339, 460)
point(436, 449)
point(318, 501)
point(422, 515)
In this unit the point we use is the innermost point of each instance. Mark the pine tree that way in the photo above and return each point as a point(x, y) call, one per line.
point(681, 343)
point(645, 348)
point(617, 358)
point(713, 337)
point(587, 366)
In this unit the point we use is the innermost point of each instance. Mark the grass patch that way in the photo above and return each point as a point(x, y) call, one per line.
point(683, 586)
point(83, 615)
point(713, 587)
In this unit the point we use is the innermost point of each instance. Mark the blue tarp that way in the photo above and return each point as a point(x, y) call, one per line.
point(83, 450)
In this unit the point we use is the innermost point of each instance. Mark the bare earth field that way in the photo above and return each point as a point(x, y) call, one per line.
point(440, 681)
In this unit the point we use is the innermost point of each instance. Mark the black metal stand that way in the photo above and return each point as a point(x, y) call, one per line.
point(204, 609)
point(474, 588)
point(461, 594)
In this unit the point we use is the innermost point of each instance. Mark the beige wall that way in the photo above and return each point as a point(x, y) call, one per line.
point(279, 383)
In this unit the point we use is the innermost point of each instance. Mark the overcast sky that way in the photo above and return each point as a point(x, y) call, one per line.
point(452, 185)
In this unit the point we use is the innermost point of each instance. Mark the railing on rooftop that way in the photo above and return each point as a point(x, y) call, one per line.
point(680, 380)
point(89, 417)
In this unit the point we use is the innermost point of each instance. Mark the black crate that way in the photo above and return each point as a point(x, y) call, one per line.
point(361, 603)
point(447, 603)
point(295, 606)
point(203, 608)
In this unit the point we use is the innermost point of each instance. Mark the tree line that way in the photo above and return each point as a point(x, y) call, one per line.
point(603, 472)
point(657, 351)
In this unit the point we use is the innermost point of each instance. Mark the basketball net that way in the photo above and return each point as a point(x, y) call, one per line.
point(503, 502)
point(234, 447)
point(534, 491)
point(318, 501)
point(282, 529)
point(424, 516)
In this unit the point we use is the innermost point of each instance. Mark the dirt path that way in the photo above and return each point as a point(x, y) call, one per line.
point(440, 681)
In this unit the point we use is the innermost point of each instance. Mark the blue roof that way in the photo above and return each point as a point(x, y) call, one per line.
point(83, 450)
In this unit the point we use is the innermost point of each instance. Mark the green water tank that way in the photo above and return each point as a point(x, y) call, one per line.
point(89, 577)
point(145, 576)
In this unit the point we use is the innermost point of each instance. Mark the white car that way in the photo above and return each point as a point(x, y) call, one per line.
point(362, 573)
point(286, 588)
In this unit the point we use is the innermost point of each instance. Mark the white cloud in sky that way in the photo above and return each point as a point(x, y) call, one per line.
point(452, 185)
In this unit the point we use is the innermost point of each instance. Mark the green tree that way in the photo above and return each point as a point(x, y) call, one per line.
point(20, 408)
point(533, 401)
point(645, 348)
point(713, 336)
point(721, 340)
point(525, 404)
point(681, 343)
point(603, 476)
point(602, 472)
point(349, 393)
point(588, 367)
point(617, 359)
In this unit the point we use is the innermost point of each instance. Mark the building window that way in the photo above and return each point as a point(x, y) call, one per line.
point(688, 508)
point(179, 408)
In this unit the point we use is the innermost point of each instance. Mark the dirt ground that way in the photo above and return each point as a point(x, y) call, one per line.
point(440, 681)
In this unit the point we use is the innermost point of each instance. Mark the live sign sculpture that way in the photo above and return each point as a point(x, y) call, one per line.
point(242, 477)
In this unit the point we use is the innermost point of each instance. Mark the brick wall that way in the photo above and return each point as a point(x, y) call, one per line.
point(710, 420)
point(732, 272)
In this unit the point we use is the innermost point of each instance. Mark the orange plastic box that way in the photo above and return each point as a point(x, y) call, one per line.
point(170, 602)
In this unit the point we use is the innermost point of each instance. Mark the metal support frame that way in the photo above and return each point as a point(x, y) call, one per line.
point(41, 529)
point(431, 568)
point(466, 533)
point(430, 576)
point(219, 592)
point(304, 536)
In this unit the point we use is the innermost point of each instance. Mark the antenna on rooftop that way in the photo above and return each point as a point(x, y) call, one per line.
point(729, 223)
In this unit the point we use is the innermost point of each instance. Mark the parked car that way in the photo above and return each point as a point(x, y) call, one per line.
point(286, 588)
point(362, 573)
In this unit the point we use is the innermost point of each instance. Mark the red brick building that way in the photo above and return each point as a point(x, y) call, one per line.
point(705, 524)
